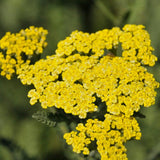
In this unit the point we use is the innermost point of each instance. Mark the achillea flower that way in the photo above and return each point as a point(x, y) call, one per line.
point(110, 136)
point(136, 45)
point(135, 42)
point(81, 71)
point(19, 48)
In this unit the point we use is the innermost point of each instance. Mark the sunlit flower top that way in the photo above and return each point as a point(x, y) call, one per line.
point(134, 40)
point(19, 48)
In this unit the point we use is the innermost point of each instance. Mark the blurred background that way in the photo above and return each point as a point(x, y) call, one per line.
point(24, 138)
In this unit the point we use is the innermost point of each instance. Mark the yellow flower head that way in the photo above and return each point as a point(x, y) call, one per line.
point(19, 48)
point(110, 136)
point(134, 40)
point(82, 71)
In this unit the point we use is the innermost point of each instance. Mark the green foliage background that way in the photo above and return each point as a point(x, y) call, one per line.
point(24, 138)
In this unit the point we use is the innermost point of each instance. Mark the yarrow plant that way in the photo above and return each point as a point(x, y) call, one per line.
point(86, 79)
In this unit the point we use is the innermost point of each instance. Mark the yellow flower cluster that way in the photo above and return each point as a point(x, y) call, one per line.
point(122, 85)
point(19, 48)
point(57, 83)
point(136, 45)
point(82, 71)
point(71, 78)
point(134, 40)
point(72, 86)
point(109, 134)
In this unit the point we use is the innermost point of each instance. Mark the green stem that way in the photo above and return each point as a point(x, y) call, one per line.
point(106, 12)
point(136, 9)
point(155, 153)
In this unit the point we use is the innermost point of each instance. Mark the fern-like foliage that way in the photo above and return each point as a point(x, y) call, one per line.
point(43, 116)
point(52, 116)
